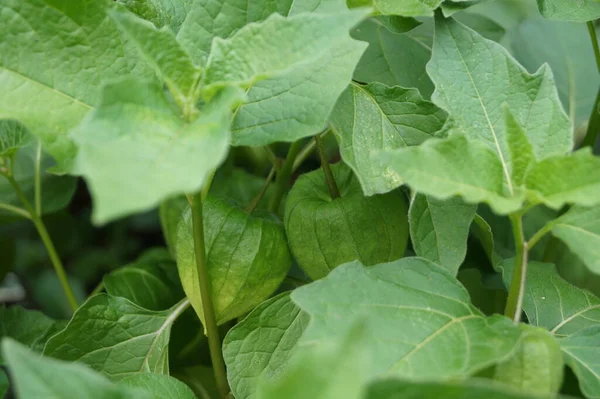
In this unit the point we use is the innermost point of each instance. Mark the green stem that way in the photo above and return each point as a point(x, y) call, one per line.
point(594, 123)
point(514, 303)
point(307, 150)
point(254, 203)
point(210, 320)
point(98, 289)
point(283, 177)
point(15, 209)
point(333, 188)
point(539, 235)
point(41, 228)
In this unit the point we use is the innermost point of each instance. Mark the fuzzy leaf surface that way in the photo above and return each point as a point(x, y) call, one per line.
point(576, 11)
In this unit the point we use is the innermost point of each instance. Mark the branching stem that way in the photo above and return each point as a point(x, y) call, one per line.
point(514, 303)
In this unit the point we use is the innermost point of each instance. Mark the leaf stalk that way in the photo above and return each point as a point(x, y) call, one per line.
point(331, 184)
point(514, 303)
point(283, 177)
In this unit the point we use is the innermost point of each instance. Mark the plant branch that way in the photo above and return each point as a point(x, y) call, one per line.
point(43, 233)
point(283, 177)
point(15, 209)
point(514, 303)
point(537, 237)
point(256, 200)
point(210, 320)
point(333, 188)
point(307, 150)
point(594, 123)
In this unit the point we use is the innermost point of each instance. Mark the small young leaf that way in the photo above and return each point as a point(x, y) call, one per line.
point(259, 347)
point(51, 77)
point(439, 229)
point(247, 257)
point(519, 149)
point(552, 302)
point(392, 59)
point(28, 327)
point(576, 11)
point(135, 151)
point(161, 386)
point(561, 180)
point(453, 166)
point(165, 54)
point(116, 337)
point(35, 376)
point(581, 352)
point(537, 366)
point(13, 136)
point(378, 117)
point(152, 284)
point(474, 77)
point(579, 228)
point(413, 311)
point(324, 233)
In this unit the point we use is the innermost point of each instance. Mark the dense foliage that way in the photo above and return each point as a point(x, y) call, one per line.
point(361, 199)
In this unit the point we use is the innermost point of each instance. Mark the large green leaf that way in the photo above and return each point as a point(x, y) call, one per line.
point(161, 12)
point(413, 311)
point(295, 69)
point(135, 150)
point(580, 230)
point(473, 389)
point(475, 77)
point(165, 54)
point(408, 8)
point(571, 58)
point(161, 386)
point(260, 346)
point(453, 166)
point(378, 117)
point(55, 58)
point(577, 11)
point(561, 180)
point(247, 256)
point(392, 59)
point(29, 327)
point(581, 351)
point(170, 213)
point(35, 376)
point(152, 284)
point(439, 229)
point(13, 136)
point(325, 232)
point(116, 337)
point(553, 303)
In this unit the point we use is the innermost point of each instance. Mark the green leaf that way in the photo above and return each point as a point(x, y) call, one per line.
point(329, 370)
point(397, 24)
point(4, 383)
point(28, 327)
point(439, 229)
point(392, 59)
point(135, 151)
point(151, 284)
point(13, 136)
point(170, 213)
point(116, 337)
point(474, 77)
point(208, 19)
point(259, 347)
point(414, 311)
point(36, 376)
point(581, 351)
point(571, 46)
point(537, 366)
point(407, 8)
point(240, 188)
point(295, 69)
point(560, 180)
point(161, 386)
point(472, 389)
point(165, 54)
point(51, 78)
point(576, 11)
point(450, 7)
point(161, 12)
point(453, 166)
point(553, 303)
point(324, 233)
point(519, 149)
point(247, 257)
point(579, 228)
point(378, 117)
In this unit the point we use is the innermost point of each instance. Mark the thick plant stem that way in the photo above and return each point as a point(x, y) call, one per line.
point(284, 175)
point(333, 188)
point(594, 123)
point(514, 303)
point(41, 228)
point(210, 320)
